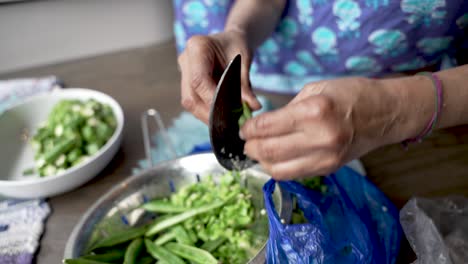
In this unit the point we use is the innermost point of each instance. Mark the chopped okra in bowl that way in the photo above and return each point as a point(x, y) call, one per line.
point(56, 141)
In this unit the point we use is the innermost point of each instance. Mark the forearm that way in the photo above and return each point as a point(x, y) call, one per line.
point(255, 18)
point(416, 102)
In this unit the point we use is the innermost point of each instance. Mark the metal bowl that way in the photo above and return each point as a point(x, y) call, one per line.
point(119, 207)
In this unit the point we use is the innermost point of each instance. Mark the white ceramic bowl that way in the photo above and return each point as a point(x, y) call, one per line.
point(16, 153)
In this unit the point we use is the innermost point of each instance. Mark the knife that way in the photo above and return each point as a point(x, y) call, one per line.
point(226, 109)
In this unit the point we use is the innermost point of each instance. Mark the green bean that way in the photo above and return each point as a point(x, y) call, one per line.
point(212, 245)
point(111, 256)
point(181, 235)
point(161, 206)
point(164, 238)
point(83, 261)
point(194, 254)
point(161, 253)
point(133, 250)
point(120, 237)
point(158, 227)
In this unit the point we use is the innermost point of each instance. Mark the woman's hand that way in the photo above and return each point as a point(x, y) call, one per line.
point(332, 122)
point(202, 64)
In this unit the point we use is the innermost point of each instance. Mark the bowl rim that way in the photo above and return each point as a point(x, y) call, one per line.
point(119, 115)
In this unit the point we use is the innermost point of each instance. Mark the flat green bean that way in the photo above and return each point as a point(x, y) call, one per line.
point(161, 253)
point(112, 256)
point(83, 261)
point(212, 245)
point(164, 238)
point(194, 254)
point(120, 237)
point(181, 235)
point(161, 206)
point(176, 219)
point(133, 250)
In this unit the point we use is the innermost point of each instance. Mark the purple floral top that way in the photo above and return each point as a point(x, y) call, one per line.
point(322, 39)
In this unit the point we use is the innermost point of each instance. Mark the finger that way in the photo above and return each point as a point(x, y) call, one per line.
point(189, 99)
point(270, 124)
point(202, 63)
point(281, 148)
point(247, 93)
point(317, 163)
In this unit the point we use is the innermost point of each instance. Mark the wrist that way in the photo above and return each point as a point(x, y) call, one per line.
point(241, 34)
point(414, 106)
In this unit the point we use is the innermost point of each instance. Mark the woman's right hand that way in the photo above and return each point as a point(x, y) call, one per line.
point(202, 64)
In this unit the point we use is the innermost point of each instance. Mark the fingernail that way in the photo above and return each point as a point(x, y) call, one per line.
point(241, 135)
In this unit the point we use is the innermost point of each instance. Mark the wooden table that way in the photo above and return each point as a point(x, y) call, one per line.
point(147, 77)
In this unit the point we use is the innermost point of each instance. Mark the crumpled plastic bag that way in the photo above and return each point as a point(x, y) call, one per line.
point(351, 222)
point(437, 229)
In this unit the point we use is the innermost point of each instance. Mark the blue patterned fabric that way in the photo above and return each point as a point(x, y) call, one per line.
point(323, 39)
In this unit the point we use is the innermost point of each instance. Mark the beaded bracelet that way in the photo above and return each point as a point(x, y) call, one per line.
point(438, 109)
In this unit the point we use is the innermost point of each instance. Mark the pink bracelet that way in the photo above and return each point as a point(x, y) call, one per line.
point(435, 117)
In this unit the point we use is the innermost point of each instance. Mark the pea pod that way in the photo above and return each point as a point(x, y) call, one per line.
point(133, 250)
point(160, 206)
point(120, 237)
point(161, 253)
point(194, 254)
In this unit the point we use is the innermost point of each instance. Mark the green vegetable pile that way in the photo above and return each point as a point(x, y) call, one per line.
point(73, 131)
point(204, 223)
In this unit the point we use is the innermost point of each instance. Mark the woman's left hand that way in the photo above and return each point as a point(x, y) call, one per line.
point(326, 125)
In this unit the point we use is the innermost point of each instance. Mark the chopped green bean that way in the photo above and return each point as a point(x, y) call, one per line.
point(29, 171)
point(73, 128)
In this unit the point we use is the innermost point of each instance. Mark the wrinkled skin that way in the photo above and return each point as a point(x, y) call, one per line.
point(326, 125)
point(202, 63)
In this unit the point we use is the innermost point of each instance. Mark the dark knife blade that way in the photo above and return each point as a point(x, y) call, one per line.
point(225, 112)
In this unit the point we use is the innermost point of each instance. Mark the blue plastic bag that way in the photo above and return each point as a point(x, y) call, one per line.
point(352, 222)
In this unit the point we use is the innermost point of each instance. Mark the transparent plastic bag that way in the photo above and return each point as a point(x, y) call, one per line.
point(437, 229)
point(352, 222)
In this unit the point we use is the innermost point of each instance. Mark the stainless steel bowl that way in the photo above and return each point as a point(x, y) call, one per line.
point(121, 203)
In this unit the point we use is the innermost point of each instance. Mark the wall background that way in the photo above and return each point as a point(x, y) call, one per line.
point(35, 33)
